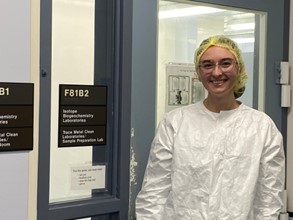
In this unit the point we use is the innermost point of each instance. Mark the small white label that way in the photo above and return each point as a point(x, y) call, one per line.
point(88, 177)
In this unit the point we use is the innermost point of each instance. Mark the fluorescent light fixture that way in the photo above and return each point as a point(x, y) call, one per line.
point(244, 40)
point(183, 12)
point(245, 26)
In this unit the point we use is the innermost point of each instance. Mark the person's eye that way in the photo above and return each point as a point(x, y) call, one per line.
point(226, 63)
point(208, 65)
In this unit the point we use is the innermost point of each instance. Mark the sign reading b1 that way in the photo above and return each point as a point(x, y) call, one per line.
point(16, 116)
point(4, 90)
point(82, 115)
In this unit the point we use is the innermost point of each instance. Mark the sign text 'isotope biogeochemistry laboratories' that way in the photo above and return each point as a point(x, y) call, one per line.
point(82, 115)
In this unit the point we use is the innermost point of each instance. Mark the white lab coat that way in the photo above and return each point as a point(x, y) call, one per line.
point(213, 166)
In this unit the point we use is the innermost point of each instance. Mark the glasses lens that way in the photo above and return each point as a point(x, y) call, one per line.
point(226, 63)
point(207, 65)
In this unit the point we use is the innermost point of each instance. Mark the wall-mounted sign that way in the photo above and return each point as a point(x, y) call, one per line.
point(82, 115)
point(16, 116)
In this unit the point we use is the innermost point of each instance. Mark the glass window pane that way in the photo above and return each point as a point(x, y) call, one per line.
point(72, 63)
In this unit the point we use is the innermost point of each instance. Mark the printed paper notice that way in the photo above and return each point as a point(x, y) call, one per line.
point(89, 177)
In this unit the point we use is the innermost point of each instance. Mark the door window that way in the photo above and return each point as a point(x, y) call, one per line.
point(182, 27)
point(72, 63)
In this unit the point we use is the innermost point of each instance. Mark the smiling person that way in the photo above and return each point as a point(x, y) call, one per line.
point(217, 159)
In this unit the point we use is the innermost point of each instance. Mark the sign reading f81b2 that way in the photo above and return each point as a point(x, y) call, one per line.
point(82, 115)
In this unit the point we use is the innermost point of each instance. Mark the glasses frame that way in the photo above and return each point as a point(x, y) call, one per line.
point(221, 65)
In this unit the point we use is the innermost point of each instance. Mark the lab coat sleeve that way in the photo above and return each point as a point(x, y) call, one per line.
point(156, 185)
point(268, 203)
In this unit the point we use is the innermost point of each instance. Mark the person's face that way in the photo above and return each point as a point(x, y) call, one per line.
point(218, 71)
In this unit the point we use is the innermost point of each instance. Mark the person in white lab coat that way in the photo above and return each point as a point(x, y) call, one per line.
point(217, 159)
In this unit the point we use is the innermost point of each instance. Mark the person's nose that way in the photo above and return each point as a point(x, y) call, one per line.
point(217, 70)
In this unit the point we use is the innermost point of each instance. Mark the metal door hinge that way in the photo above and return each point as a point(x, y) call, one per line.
point(282, 78)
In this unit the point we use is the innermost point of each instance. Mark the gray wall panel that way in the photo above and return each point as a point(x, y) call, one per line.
point(15, 67)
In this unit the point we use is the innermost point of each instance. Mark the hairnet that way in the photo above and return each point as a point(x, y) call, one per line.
point(225, 42)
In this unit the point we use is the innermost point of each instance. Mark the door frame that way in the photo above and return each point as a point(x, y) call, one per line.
point(115, 205)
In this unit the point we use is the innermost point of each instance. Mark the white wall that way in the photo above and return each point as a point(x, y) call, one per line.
point(14, 67)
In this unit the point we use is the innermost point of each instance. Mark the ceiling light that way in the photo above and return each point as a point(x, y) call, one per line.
point(183, 12)
point(245, 26)
point(244, 40)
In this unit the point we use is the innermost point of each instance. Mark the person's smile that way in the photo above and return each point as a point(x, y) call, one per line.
point(218, 82)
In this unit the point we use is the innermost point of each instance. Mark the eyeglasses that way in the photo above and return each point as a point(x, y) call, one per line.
point(208, 66)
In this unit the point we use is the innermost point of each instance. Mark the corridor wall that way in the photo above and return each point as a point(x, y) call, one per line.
point(14, 67)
